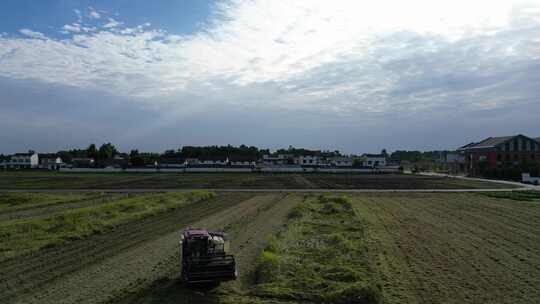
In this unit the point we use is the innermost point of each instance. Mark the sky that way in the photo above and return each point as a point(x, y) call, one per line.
point(356, 76)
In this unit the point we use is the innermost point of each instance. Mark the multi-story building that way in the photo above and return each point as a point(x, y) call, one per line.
point(50, 161)
point(28, 160)
point(501, 152)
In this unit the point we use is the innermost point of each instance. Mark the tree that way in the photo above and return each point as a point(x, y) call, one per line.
point(107, 151)
point(92, 151)
point(384, 153)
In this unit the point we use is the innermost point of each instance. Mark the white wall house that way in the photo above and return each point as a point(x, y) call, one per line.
point(373, 160)
point(238, 160)
point(22, 161)
point(271, 160)
point(50, 161)
point(213, 161)
point(341, 161)
point(307, 160)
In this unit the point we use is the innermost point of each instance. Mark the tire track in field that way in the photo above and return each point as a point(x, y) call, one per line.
point(28, 274)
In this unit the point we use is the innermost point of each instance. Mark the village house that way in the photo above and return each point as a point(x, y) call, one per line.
point(50, 161)
point(28, 160)
point(307, 160)
point(172, 162)
point(271, 160)
point(501, 152)
point(213, 160)
point(241, 160)
point(341, 161)
point(373, 160)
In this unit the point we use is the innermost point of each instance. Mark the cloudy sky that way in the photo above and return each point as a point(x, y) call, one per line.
point(357, 76)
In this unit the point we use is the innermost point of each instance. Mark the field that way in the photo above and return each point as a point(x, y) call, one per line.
point(291, 248)
point(48, 180)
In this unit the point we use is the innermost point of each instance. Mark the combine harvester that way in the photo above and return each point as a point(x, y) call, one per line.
point(204, 257)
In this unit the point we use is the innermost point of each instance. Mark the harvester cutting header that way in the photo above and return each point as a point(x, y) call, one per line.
point(204, 256)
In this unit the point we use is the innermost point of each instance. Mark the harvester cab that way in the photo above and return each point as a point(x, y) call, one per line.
point(204, 257)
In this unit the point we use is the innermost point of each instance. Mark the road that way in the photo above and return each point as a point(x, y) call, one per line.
point(523, 188)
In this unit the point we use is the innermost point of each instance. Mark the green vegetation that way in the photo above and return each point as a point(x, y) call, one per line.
point(17, 201)
point(321, 257)
point(23, 236)
point(524, 196)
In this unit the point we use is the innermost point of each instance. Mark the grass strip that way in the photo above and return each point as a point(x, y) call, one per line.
point(320, 257)
point(29, 235)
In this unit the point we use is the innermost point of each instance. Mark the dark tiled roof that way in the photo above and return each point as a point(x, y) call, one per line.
point(23, 154)
point(47, 155)
point(491, 142)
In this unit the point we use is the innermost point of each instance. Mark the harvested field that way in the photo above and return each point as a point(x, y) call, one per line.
point(384, 248)
point(48, 180)
point(453, 248)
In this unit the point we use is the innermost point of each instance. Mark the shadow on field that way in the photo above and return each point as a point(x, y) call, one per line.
point(168, 290)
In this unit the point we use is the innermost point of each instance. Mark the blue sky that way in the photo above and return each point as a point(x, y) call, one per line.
point(345, 75)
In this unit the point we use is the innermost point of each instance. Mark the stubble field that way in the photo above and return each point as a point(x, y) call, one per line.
point(291, 248)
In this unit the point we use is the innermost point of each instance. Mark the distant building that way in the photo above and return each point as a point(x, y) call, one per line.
point(373, 160)
point(307, 160)
point(50, 161)
point(501, 152)
point(277, 160)
point(213, 160)
point(341, 161)
point(172, 162)
point(191, 161)
point(240, 160)
point(28, 160)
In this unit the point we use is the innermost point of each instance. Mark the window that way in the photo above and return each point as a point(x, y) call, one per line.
point(516, 145)
point(507, 157)
point(507, 147)
point(523, 145)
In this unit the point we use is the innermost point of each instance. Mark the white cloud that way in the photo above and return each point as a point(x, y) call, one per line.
point(338, 56)
point(93, 14)
point(75, 28)
point(32, 34)
point(112, 23)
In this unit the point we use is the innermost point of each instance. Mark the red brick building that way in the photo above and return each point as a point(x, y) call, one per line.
point(517, 151)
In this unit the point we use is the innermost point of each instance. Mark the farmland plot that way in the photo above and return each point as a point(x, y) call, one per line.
point(453, 248)
point(298, 248)
point(104, 181)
